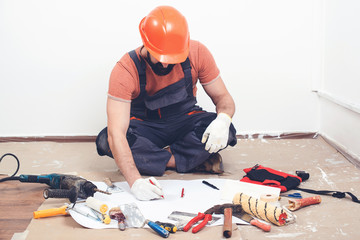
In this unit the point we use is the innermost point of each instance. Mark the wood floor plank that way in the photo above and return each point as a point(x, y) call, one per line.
point(18, 201)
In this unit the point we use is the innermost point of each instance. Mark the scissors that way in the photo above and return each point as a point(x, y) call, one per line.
point(293, 195)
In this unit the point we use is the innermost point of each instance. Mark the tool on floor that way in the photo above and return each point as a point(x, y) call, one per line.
point(97, 205)
point(250, 219)
point(51, 212)
point(64, 210)
point(102, 217)
point(273, 199)
point(134, 218)
point(111, 187)
point(133, 215)
point(263, 210)
point(273, 178)
point(62, 186)
point(168, 226)
point(292, 195)
point(179, 222)
point(300, 203)
point(73, 208)
point(207, 216)
point(117, 214)
point(228, 209)
point(99, 209)
point(182, 218)
point(269, 198)
point(227, 228)
point(159, 230)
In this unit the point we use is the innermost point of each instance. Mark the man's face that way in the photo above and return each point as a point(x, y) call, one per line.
point(155, 61)
point(158, 67)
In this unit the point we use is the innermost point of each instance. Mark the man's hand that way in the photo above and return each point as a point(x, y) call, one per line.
point(147, 189)
point(217, 133)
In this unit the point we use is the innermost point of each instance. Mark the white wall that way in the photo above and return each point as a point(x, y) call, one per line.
point(56, 58)
point(340, 87)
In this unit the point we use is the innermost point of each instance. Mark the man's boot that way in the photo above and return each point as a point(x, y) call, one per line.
point(213, 164)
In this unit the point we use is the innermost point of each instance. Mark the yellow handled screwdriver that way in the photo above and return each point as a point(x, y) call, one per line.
point(51, 212)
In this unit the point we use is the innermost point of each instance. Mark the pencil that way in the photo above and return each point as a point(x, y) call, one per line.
point(155, 185)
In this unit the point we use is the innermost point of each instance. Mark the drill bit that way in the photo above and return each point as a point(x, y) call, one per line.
point(101, 191)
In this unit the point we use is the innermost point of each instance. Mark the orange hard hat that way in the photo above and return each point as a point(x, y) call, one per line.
point(165, 34)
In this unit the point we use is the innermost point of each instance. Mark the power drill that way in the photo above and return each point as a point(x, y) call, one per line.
point(63, 186)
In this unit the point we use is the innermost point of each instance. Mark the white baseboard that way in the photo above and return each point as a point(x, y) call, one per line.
point(350, 156)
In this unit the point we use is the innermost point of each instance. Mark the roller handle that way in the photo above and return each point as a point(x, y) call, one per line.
point(300, 203)
point(227, 229)
point(264, 226)
point(159, 230)
point(310, 201)
point(208, 217)
point(193, 221)
point(50, 212)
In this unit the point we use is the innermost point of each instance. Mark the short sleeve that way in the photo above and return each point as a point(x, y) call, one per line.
point(123, 79)
point(207, 68)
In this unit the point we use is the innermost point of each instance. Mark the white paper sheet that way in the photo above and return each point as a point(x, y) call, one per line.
point(198, 197)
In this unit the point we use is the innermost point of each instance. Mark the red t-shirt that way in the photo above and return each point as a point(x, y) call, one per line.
point(124, 82)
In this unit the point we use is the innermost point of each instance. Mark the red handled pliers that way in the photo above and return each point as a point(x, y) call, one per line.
point(201, 216)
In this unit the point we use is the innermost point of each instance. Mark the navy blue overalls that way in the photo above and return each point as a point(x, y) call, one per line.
point(171, 118)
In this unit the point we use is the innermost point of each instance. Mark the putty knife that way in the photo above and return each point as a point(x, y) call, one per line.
point(134, 218)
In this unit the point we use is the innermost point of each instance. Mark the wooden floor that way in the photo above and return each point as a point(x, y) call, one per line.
point(329, 170)
point(17, 202)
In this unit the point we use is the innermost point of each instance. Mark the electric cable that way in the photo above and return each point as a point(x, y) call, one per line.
point(12, 177)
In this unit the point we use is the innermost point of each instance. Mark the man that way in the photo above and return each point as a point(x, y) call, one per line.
point(153, 120)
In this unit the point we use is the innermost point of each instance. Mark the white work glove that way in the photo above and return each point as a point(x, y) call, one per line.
point(217, 133)
point(147, 189)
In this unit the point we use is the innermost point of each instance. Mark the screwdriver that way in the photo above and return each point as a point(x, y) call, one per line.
point(159, 230)
point(168, 226)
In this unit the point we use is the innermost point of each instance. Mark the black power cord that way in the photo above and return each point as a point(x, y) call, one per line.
point(12, 177)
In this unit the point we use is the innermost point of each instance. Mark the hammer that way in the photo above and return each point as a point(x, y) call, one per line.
point(227, 209)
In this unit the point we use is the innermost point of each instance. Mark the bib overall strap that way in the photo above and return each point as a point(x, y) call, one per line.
point(187, 75)
point(141, 68)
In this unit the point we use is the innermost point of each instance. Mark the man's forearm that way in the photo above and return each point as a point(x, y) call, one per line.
point(124, 159)
point(226, 105)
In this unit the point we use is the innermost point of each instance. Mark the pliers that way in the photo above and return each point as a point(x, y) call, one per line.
point(206, 217)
